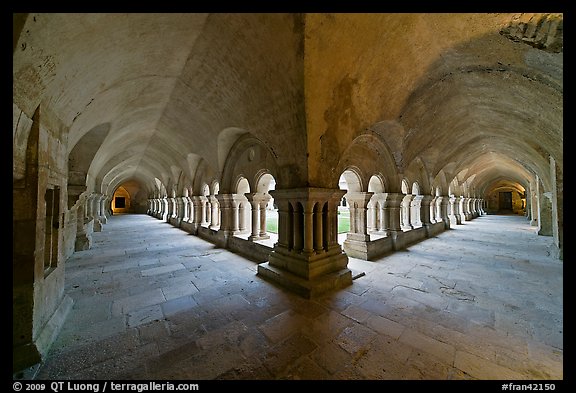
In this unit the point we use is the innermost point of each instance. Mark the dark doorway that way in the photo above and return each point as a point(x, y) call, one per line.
point(120, 202)
point(505, 202)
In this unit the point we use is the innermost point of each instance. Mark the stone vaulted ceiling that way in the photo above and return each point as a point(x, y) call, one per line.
point(476, 97)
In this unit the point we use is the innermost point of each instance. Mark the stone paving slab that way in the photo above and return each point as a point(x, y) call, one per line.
point(482, 301)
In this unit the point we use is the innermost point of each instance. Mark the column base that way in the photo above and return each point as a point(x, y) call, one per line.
point(306, 288)
point(83, 242)
point(259, 237)
point(356, 248)
point(309, 275)
point(455, 219)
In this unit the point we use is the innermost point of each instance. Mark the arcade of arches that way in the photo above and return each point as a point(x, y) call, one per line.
point(263, 133)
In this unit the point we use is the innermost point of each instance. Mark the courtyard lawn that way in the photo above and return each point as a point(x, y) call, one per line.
point(343, 221)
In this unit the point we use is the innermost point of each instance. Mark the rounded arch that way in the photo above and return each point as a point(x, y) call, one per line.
point(367, 154)
point(415, 188)
point(214, 187)
point(376, 184)
point(249, 158)
point(351, 180)
point(405, 186)
point(264, 182)
point(205, 190)
point(242, 186)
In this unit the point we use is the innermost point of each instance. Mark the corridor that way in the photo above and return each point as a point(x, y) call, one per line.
point(482, 301)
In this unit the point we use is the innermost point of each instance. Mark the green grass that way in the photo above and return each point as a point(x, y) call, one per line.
point(271, 222)
point(343, 221)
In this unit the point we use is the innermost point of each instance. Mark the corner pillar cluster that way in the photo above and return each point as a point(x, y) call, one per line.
point(307, 258)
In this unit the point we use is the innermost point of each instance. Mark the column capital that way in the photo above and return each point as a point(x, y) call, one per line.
point(308, 194)
point(258, 197)
point(362, 198)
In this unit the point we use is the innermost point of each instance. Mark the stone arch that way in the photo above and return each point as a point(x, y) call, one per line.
point(353, 177)
point(214, 187)
point(248, 157)
point(405, 186)
point(242, 185)
point(368, 154)
point(376, 184)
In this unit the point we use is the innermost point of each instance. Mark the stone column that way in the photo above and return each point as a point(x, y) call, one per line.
point(180, 211)
point(415, 220)
point(392, 212)
point(442, 203)
point(557, 213)
point(425, 212)
point(199, 210)
point(103, 218)
point(97, 214)
point(262, 205)
point(355, 244)
point(258, 201)
point(405, 213)
point(383, 218)
point(461, 208)
point(433, 219)
point(371, 216)
point(84, 228)
point(215, 213)
point(474, 208)
point(185, 208)
point(454, 215)
point(169, 208)
point(305, 215)
point(533, 203)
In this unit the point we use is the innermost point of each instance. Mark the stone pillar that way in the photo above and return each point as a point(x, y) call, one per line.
point(481, 207)
point(355, 244)
point(405, 223)
point(199, 208)
point(473, 210)
point(383, 218)
point(392, 211)
point(97, 212)
point(425, 202)
point(557, 213)
point(189, 209)
point(442, 203)
point(461, 208)
point(433, 219)
point(241, 213)
point(258, 202)
point(164, 213)
point(169, 208)
point(307, 219)
point(103, 218)
point(215, 213)
point(371, 216)
point(184, 208)
point(180, 211)
point(262, 206)
point(84, 228)
point(454, 215)
point(415, 220)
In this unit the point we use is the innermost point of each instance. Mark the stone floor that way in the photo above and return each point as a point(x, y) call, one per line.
point(482, 301)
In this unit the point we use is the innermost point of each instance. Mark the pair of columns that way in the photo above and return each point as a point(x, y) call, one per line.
point(307, 258)
point(234, 220)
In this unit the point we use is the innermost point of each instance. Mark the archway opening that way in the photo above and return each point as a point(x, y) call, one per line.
point(244, 210)
point(350, 182)
point(267, 183)
point(121, 201)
